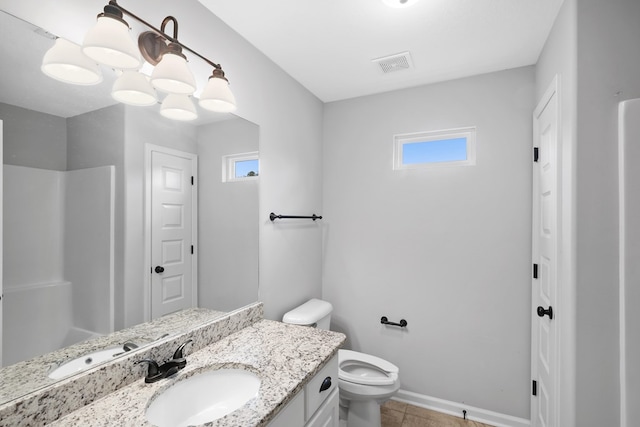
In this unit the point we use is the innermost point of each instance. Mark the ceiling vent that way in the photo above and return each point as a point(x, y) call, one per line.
point(39, 31)
point(397, 62)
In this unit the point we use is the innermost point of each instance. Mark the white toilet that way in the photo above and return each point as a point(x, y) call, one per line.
point(364, 381)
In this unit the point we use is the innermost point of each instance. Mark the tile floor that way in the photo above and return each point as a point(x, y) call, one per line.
point(398, 414)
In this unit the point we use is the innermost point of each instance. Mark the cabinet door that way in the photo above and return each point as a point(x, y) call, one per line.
point(327, 414)
point(291, 415)
point(320, 387)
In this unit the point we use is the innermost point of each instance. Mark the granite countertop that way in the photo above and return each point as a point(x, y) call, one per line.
point(27, 376)
point(284, 356)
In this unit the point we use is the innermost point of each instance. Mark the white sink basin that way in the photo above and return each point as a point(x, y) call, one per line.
point(84, 362)
point(203, 397)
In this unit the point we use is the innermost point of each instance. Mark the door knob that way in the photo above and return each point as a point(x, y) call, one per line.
point(159, 269)
point(542, 312)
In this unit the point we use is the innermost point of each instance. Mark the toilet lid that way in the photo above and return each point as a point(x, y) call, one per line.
point(362, 368)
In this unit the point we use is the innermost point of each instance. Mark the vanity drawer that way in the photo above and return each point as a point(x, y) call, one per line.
point(315, 392)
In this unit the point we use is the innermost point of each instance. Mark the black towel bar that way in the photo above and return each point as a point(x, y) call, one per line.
point(273, 216)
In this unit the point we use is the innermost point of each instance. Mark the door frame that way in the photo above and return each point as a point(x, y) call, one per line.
point(148, 150)
point(550, 95)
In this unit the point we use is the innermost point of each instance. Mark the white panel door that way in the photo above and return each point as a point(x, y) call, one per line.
point(545, 284)
point(172, 281)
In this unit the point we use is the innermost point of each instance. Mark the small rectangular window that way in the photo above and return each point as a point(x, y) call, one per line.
point(246, 168)
point(240, 167)
point(429, 149)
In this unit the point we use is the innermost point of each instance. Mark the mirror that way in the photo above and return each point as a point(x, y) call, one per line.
point(73, 212)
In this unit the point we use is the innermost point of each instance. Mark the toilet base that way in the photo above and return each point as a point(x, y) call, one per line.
point(363, 413)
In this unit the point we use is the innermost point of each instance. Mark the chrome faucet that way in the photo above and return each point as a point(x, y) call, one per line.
point(170, 367)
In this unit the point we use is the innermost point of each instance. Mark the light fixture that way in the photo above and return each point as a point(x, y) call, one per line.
point(400, 3)
point(134, 88)
point(216, 95)
point(109, 43)
point(172, 74)
point(65, 61)
point(178, 107)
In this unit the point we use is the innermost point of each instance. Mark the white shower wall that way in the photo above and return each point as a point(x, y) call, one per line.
point(89, 246)
point(56, 285)
point(629, 156)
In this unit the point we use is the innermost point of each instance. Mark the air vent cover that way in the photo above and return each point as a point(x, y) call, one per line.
point(397, 62)
point(44, 33)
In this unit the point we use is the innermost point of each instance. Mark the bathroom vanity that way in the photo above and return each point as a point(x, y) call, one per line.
point(296, 366)
point(316, 404)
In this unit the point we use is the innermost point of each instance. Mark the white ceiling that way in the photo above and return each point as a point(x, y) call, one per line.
point(22, 46)
point(328, 45)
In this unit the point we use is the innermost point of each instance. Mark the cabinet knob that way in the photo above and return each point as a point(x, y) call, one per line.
point(326, 384)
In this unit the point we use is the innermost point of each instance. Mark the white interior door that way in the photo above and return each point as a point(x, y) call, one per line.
point(546, 205)
point(173, 225)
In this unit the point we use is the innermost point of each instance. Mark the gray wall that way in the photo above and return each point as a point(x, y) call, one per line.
point(34, 139)
point(447, 249)
point(608, 63)
point(228, 211)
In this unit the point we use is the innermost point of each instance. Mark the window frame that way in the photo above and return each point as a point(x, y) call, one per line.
point(411, 138)
point(229, 166)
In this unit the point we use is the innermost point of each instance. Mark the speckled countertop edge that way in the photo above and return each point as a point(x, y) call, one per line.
point(65, 396)
point(285, 357)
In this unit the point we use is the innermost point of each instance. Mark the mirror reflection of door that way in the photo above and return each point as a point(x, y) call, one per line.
point(173, 221)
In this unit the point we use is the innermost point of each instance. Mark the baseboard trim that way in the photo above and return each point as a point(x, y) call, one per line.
point(455, 409)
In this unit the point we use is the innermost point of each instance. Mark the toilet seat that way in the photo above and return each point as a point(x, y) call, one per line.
point(361, 368)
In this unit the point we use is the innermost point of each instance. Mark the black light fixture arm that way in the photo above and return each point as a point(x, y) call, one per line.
point(161, 32)
point(173, 20)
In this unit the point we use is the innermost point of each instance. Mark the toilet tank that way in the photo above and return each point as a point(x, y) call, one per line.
point(314, 312)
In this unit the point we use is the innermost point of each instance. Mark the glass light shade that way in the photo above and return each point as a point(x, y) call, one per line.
point(178, 107)
point(133, 88)
point(109, 43)
point(400, 3)
point(217, 96)
point(66, 62)
point(172, 75)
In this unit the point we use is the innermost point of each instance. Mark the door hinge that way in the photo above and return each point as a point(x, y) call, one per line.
point(535, 271)
point(192, 180)
point(191, 249)
point(536, 154)
point(534, 388)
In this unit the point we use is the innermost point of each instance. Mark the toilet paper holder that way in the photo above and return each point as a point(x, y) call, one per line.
point(385, 321)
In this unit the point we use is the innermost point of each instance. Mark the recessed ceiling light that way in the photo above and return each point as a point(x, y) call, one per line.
point(400, 3)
